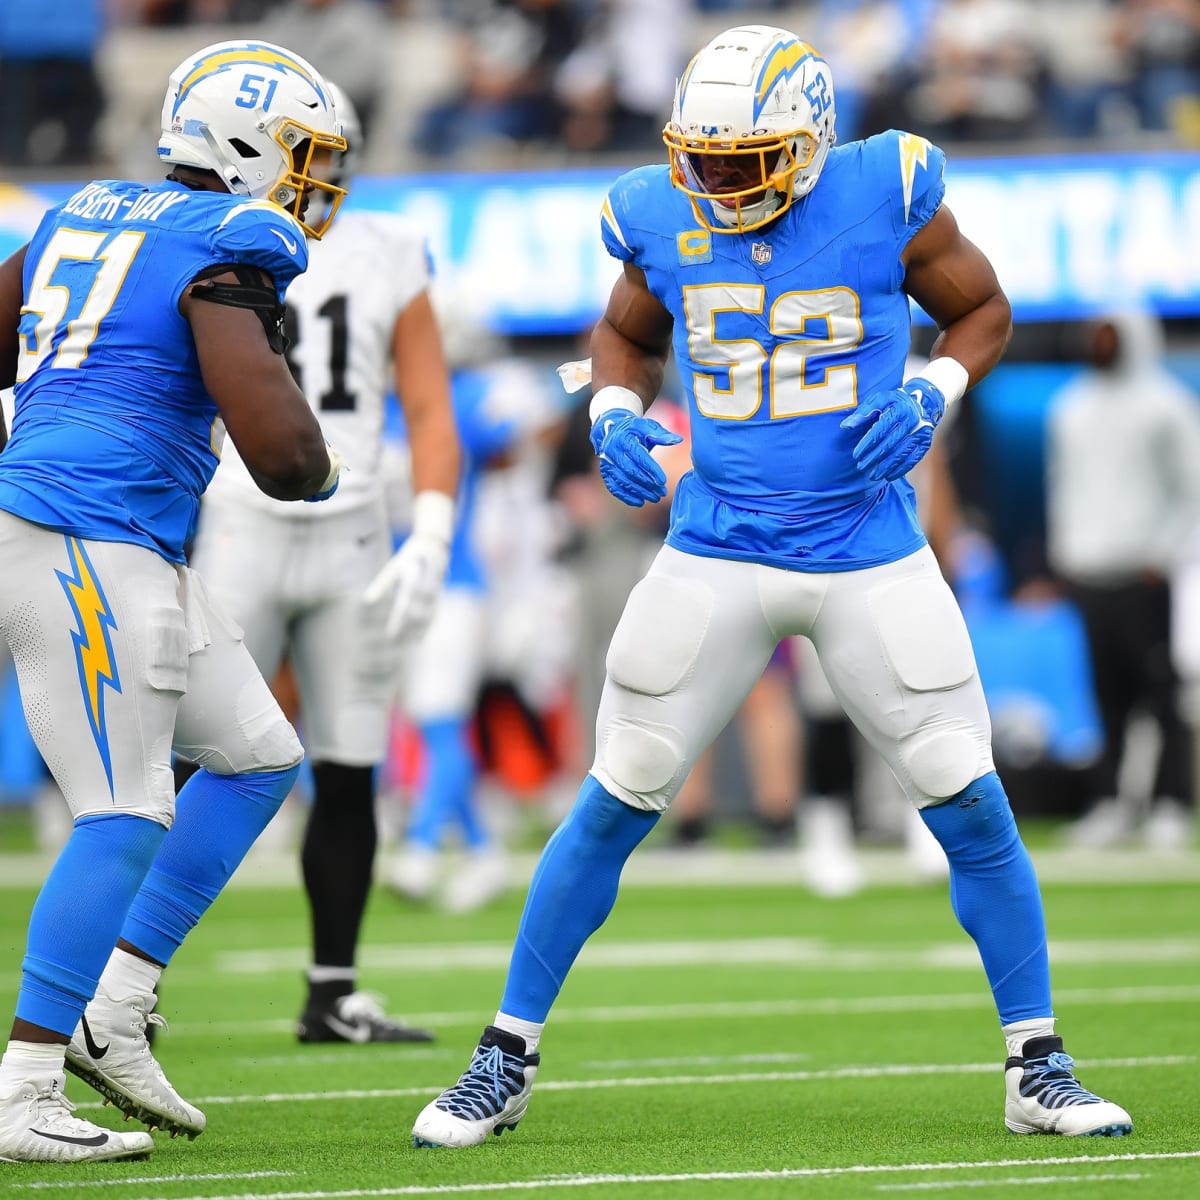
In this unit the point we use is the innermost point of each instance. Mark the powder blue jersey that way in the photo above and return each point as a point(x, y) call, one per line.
point(779, 333)
point(114, 437)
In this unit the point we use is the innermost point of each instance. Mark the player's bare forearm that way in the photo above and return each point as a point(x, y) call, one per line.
point(423, 386)
point(953, 281)
point(630, 343)
point(978, 339)
point(436, 454)
point(12, 296)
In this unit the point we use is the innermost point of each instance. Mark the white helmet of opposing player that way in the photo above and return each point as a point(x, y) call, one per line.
point(262, 118)
point(352, 131)
point(751, 128)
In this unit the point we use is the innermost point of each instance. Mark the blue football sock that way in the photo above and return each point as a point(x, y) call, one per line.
point(447, 795)
point(79, 913)
point(217, 819)
point(995, 895)
point(572, 892)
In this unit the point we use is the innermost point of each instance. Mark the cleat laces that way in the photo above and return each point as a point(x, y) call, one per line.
point(1050, 1082)
point(492, 1079)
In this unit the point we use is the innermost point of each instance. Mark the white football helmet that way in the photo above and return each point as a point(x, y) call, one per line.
point(352, 131)
point(260, 117)
point(751, 128)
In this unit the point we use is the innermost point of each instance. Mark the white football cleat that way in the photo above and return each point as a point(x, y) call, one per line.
point(414, 872)
point(483, 876)
point(489, 1097)
point(36, 1126)
point(830, 860)
point(110, 1053)
point(1043, 1096)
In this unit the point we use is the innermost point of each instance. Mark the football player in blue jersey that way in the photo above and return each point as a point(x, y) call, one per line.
point(139, 324)
point(779, 269)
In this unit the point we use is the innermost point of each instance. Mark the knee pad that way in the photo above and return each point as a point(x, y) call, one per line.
point(942, 760)
point(641, 758)
point(658, 638)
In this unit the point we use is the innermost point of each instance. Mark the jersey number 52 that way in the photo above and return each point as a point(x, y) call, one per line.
point(808, 331)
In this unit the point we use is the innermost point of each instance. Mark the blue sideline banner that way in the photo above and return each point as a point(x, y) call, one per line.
point(1068, 235)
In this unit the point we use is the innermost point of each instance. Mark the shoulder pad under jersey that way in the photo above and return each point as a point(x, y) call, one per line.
point(910, 169)
point(262, 234)
point(628, 208)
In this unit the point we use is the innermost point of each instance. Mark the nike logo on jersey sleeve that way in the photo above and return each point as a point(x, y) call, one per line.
point(291, 245)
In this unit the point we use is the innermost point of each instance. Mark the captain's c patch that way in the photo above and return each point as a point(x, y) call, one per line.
point(694, 246)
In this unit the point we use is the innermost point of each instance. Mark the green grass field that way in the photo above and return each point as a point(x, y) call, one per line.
point(716, 1042)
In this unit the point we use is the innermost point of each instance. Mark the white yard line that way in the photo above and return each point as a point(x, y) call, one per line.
point(189, 1179)
point(742, 1009)
point(1010, 1181)
point(894, 1071)
point(652, 867)
point(547, 1183)
point(798, 953)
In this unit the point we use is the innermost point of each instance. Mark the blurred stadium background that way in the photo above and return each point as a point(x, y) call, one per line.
point(1073, 133)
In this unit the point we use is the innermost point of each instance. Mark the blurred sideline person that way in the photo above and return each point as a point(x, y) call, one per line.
point(140, 324)
point(787, 305)
point(501, 405)
point(1122, 505)
point(295, 579)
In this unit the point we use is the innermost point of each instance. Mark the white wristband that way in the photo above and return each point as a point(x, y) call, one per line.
point(948, 375)
point(614, 396)
point(433, 514)
point(335, 469)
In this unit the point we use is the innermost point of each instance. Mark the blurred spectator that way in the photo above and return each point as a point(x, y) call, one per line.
point(1122, 499)
point(510, 52)
point(876, 44)
point(502, 626)
point(1162, 39)
point(982, 74)
point(171, 13)
point(618, 84)
point(346, 40)
point(52, 94)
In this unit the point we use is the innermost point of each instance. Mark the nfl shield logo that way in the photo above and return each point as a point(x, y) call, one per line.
point(760, 252)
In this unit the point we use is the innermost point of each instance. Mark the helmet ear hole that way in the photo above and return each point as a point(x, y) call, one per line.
point(244, 148)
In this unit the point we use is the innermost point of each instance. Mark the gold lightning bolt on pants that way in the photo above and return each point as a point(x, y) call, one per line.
point(121, 656)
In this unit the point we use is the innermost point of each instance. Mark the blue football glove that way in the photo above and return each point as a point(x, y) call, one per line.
point(622, 443)
point(899, 428)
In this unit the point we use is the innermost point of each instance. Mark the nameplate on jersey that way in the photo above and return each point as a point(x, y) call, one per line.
point(760, 253)
point(694, 246)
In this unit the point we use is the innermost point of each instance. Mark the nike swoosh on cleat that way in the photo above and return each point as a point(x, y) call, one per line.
point(99, 1140)
point(352, 1033)
point(93, 1049)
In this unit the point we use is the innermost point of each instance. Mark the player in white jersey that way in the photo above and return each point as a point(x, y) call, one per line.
point(298, 582)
